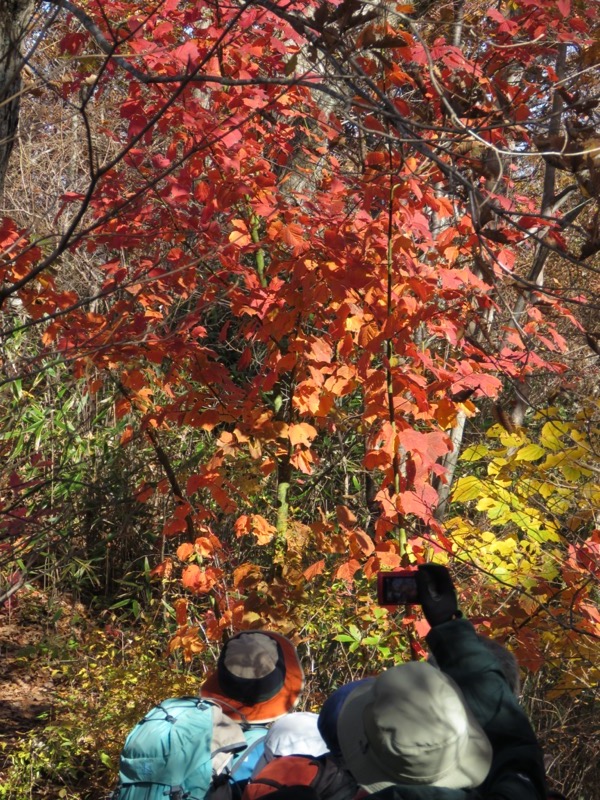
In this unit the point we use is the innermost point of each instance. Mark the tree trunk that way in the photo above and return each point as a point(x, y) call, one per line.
point(14, 18)
point(536, 274)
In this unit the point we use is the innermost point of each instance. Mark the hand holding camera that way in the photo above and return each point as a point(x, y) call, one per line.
point(437, 594)
point(429, 586)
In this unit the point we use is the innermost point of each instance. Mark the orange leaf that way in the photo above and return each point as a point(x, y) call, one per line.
point(345, 571)
point(127, 435)
point(174, 526)
point(185, 550)
point(390, 559)
point(376, 158)
point(345, 516)
point(302, 460)
point(314, 569)
point(221, 497)
point(367, 333)
point(377, 459)
point(421, 506)
point(163, 570)
point(321, 351)
point(239, 236)
point(262, 530)
point(293, 236)
point(242, 525)
point(245, 571)
point(445, 413)
point(422, 627)
point(194, 482)
point(144, 493)
point(302, 433)
point(371, 567)
point(204, 546)
point(180, 606)
point(200, 581)
point(191, 577)
point(360, 543)
point(182, 510)
point(430, 446)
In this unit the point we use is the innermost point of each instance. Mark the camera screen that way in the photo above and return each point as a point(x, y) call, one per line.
point(399, 590)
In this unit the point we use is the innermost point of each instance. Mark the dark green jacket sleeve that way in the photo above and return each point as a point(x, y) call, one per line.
point(517, 771)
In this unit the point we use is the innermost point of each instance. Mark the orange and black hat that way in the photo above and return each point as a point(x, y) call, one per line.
point(258, 677)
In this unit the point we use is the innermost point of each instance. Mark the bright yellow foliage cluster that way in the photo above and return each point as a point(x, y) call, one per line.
point(530, 505)
point(532, 492)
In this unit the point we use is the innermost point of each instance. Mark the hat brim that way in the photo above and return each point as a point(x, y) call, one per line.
point(474, 761)
point(285, 700)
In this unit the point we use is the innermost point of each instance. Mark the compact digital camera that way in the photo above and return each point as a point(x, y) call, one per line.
point(397, 588)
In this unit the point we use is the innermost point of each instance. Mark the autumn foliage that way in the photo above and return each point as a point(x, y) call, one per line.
point(332, 244)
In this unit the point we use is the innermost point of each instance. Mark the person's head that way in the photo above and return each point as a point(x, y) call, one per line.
point(506, 660)
point(412, 725)
point(294, 734)
point(258, 677)
point(328, 716)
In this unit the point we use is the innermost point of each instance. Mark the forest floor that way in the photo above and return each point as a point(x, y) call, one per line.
point(33, 631)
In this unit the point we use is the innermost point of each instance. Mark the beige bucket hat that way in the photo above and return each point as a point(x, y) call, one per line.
point(258, 677)
point(412, 725)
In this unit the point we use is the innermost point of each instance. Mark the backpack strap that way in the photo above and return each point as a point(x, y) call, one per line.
point(179, 793)
point(229, 748)
point(245, 753)
point(219, 701)
point(274, 784)
point(168, 717)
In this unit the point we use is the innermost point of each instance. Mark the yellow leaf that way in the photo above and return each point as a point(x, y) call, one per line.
point(353, 323)
point(496, 465)
point(546, 489)
point(571, 473)
point(553, 460)
point(486, 503)
point(494, 432)
point(511, 439)
point(497, 512)
point(530, 452)
point(250, 617)
point(467, 488)
point(506, 547)
point(550, 436)
point(475, 453)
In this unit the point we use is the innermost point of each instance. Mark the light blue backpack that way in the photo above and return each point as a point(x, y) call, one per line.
point(178, 750)
point(187, 748)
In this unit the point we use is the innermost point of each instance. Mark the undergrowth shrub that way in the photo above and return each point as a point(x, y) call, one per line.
point(114, 680)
